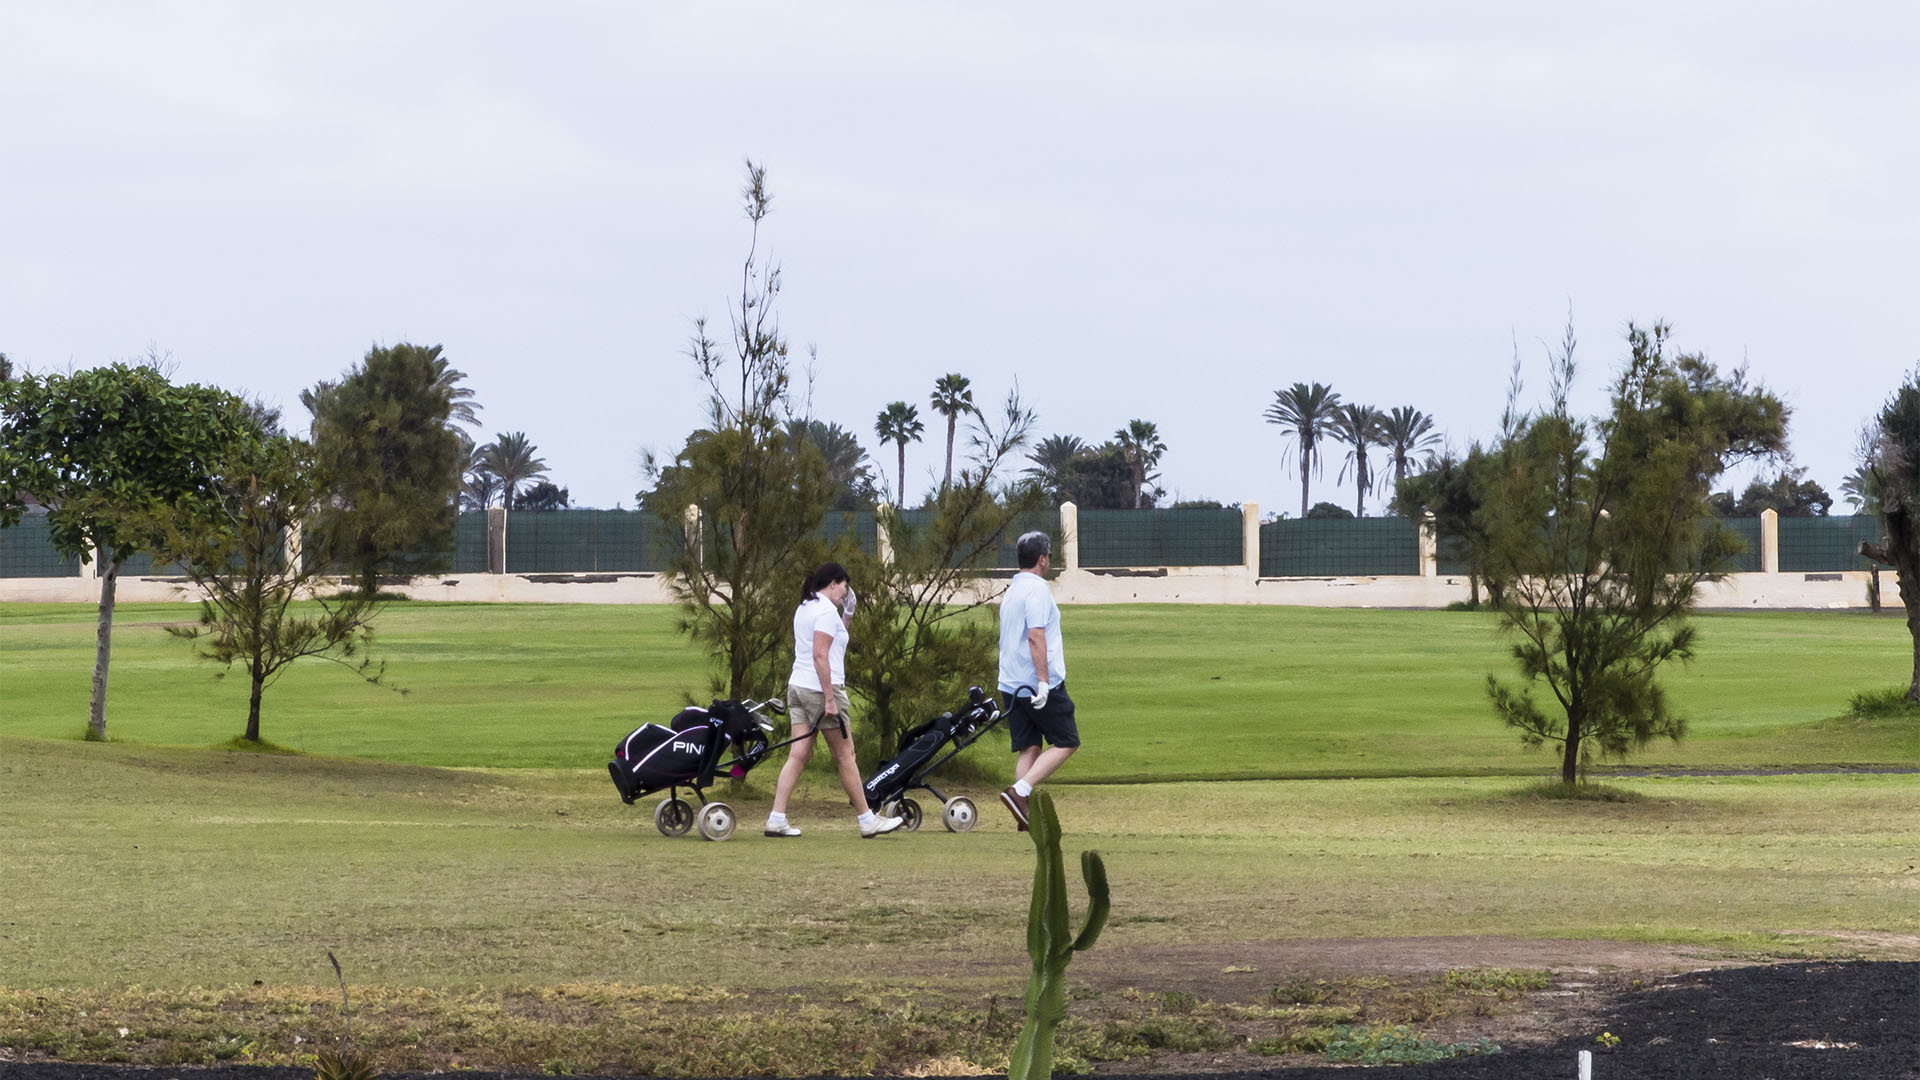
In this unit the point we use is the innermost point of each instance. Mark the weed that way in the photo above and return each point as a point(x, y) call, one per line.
point(1579, 791)
point(1397, 1045)
point(1179, 1001)
point(1309, 1041)
point(1471, 979)
point(1881, 704)
point(1300, 992)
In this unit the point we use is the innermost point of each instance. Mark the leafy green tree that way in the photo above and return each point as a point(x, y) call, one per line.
point(1888, 479)
point(952, 398)
point(511, 459)
point(917, 644)
point(1406, 431)
point(1326, 511)
point(1358, 426)
point(1140, 444)
point(1305, 414)
point(384, 433)
point(899, 423)
point(1789, 494)
point(545, 495)
point(1099, 478)
point(1599, 535)
point(1051, 458)
point(1451, 489)
point(98, 447)
point(234, 547)
point(760, 492)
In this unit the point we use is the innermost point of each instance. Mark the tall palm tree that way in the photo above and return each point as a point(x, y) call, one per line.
point(446, 379)
point(951, 399)
point(847, 469)
point(1050, 458)
point(1359, 427)
point(509, 457)
point(1405, 432)
point(1141, 445)
point(899, 423)
point(1306, 414)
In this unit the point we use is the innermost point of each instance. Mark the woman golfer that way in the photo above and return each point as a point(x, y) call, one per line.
point(817, 698)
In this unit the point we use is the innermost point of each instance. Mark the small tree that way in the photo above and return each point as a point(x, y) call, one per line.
point(99, 447)
point(1596, 545)
point(1140, 444)
point(1888, 481)
point(234, 547)
point(1451, 488)
point(915, 646)
point(385, 434)
point(760, 491)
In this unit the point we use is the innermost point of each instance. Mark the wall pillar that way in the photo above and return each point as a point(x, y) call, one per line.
point(496, 540)
point(1770, 541)
point(691, 532)
point(290, 547)
point(1069, 536)
point(882, 537)
point(1250, 539)
point(1429, 547)
point(90, 571)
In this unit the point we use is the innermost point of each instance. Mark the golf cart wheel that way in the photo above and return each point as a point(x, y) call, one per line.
point(909, 812)
point(673, 817)
point(717, 821)
point(960, 815)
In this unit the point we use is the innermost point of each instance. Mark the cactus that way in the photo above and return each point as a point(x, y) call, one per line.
point(1047, 940)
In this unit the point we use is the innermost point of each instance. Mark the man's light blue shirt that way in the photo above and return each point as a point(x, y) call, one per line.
point(1028, 604)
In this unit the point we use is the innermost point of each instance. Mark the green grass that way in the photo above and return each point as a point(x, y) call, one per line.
point(1164, 692)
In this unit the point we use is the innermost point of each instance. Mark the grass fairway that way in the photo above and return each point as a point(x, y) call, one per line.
point(173, 868)
point(1165, 692)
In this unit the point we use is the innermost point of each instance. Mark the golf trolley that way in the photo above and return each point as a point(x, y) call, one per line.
point(687, 753)
point(920, 755)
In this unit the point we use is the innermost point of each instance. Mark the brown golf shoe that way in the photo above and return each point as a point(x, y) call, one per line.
point(1017, 803)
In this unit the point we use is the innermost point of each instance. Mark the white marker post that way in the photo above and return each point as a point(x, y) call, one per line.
point(1586, 1065)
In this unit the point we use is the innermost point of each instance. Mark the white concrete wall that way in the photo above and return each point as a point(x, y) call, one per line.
point(1160, 585)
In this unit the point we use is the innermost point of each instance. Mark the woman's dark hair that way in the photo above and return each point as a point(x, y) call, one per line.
point(825, 575)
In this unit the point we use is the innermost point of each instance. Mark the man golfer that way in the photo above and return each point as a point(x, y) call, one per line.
point(1032, 660)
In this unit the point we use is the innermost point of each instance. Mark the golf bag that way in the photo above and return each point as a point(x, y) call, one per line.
point(920, 749)
point(687, 750)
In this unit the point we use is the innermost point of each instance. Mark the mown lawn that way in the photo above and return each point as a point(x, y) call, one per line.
point(1165, 692)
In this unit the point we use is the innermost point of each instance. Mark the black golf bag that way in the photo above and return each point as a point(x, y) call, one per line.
point(687, 751)
point(920, 749)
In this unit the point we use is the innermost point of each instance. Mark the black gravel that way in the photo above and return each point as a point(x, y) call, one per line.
point(1824, 1021)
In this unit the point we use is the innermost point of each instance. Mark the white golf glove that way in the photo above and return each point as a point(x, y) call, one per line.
point(1040, 696)
point(847, 604)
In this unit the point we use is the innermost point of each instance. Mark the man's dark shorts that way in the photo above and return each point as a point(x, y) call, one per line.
point(1054, 723)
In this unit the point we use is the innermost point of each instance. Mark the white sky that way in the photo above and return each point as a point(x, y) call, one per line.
point(1164, 211)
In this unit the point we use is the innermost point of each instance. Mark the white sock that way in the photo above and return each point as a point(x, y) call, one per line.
point(1022, 788)
point(776, 821)
point(868, 820)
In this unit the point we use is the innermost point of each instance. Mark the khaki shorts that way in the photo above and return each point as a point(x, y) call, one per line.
point(809, 707)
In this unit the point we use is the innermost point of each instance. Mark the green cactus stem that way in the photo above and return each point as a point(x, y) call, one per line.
point(1047, 939)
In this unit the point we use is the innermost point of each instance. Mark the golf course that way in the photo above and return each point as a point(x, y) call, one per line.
point(1311, 820)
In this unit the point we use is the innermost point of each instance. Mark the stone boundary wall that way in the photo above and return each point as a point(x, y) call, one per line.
point(1768, 589)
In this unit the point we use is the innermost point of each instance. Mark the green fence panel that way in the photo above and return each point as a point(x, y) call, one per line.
point(862, 524)
point(1748, 530)
point(26, 550)
point(470, 542)
point(579, 541)
point(1449, 556)
point(1826, 543)
point(1185, 537)
point(1005, 556)
point(143, 564)
point(1347, 547)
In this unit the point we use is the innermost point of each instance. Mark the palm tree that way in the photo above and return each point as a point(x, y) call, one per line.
point(899, 423)
point(510, 458)
point(1359, 427)
point(1050, 458)
point(446, 380)
point(1140, 444)
point(1405, 432)
point(847, 469)
point(1307, 414)
point(951, 399)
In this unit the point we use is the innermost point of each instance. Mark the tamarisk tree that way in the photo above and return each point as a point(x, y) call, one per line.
point(1888, 482)
point(1598, 535)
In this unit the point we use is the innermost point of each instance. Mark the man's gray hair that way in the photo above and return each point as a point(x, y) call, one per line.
point(1031, 546)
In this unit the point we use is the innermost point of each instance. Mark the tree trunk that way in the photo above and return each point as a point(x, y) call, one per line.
point(253, 708)
point(102, 651)
point(946, 481)
point(1570, 760)
point(1902, 549)
point(900, 497)
point(1306, 462)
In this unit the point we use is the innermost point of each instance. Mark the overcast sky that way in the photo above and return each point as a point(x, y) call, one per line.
point(1162, 211)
